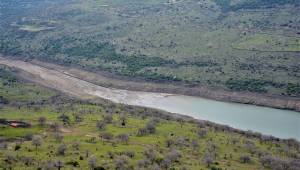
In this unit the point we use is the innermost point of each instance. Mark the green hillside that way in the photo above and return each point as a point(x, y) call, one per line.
point(69, 134)
point(193, 42)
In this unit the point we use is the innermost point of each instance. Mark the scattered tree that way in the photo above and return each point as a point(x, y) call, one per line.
point(58, 164)
point(92, 162)
point(122, 163)
point(245, 158)
point(202, 133)
point(151, 127)
point(58, 137)
point(61, 149)
point(123, 138)
point(76, 145)
point(36, 141)
point(101, 125)
point(195, 145)
point(42, 121)
point(208, 159)
point(108, 118)
point(64, 118)
point(123, 119)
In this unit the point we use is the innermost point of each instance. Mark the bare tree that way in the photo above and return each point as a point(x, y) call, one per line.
point(201, 124)
point(195, 145)
point(42, 121)
point(58, 164)
point(49, 165)
point(122, 163)
point(61, 149)
point(58, 137)
point(174, 155)
point(150, 155)
point(144, 163)
point(78, 118)
point(180, 142)
point(108, 118)
point(55, 127)
point(92, 162)
point(123, 119)
point(202, 133)
point(107, 136)
point(101, 125)
point(142, 132)
point(170, 142)
point(250, 146)
point(64, 118)
point(245, 158)
point(166, 163)
point(208, 159)
point(181, 122)
point(36, 141)
point(151, 127)
point(76, 145)
point(10, 159)
point(123, 138)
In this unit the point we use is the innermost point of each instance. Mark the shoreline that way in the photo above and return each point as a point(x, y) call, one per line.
point(110, 80)
point(88, 91)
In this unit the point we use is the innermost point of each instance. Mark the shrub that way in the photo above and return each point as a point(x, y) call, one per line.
point(123, 138)
point(245, 158)
point(101, 125)
point(61, 150)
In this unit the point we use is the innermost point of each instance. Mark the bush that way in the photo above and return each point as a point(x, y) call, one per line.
point(101, 125)
point(61, 150)
point(251, 85)
point(245, 158)
point(293, 89)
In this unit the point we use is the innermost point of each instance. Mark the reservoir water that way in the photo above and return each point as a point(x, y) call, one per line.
point(268, 121)
point(276, 122)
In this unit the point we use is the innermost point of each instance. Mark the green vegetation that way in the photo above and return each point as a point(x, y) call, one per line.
point(265, 42)
point(12, 90)
point(247, 85)
point(70, 134)
point(293, 89)
point(192, 42)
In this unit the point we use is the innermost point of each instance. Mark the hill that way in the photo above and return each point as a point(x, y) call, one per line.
point(234, 45)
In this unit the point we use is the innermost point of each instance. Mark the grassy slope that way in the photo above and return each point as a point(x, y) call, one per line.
point(84, 131)
point(14, 90)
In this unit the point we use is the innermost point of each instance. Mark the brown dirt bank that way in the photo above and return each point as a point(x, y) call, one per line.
point(111, 81)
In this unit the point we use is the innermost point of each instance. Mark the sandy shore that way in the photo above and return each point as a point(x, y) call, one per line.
point(86, 84)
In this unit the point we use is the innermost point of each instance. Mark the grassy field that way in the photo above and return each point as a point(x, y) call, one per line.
point(70, 134)
point(267, 42)
point(206, 43)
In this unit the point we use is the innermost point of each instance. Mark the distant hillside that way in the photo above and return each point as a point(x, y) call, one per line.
point(236, 45)
point(234, 5)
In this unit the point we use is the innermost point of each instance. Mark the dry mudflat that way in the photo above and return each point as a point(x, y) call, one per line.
point(85, 84)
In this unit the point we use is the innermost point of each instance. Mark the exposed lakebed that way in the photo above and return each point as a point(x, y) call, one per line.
point(269, 121)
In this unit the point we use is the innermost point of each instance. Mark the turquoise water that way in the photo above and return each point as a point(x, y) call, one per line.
point(269, 121)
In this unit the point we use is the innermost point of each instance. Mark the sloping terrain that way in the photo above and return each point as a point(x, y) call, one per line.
point(86, 84)
point(237, 45)
point(70, 134)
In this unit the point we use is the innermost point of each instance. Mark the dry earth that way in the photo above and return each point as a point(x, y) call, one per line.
point(86, 84)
